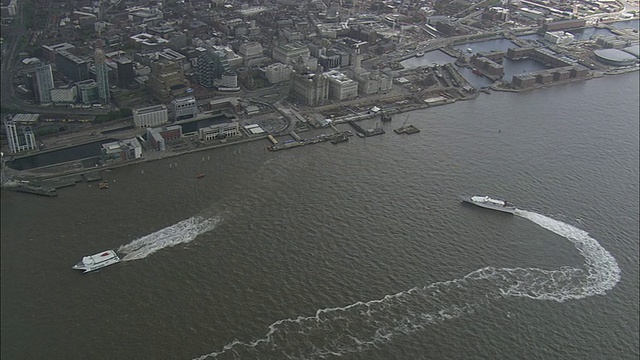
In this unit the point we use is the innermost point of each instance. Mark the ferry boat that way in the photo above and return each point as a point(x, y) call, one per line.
point(489, 203)
point(97, 261)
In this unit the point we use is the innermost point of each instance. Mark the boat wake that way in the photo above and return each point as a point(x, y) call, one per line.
point(363, 325)
point(180, 233)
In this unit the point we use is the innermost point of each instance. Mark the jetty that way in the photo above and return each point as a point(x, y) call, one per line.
point(406, 129)
point(366, 133)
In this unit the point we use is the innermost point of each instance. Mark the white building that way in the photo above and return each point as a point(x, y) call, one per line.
point(150, 116)
point(220, 131)
point(558, 37)
point(341, 87)
point(19, 143)
point(229, 80)
point(184, 108)
point(127, 149)
point(277, 73)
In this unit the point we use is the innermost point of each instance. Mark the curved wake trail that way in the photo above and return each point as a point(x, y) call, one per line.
point(362, 325)
point(180, 233)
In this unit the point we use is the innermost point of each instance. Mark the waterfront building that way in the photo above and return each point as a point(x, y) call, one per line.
point(156, 141)
point(287, 52)
point(615, 57)
point(167, 80)
point(219, 131)
point(44, 79)
point(523, 81)
point(121, 150)
point(341, 87)
point(19, 139)
point(373, 82)
point(158, 137)
point(564, 25)
point(184, 108)
point(150, 116)
point(558, 37)
point(102, 77)
point(309, 88)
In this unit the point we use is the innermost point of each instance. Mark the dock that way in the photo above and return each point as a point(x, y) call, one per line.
point(289, 144)
point(408, 129)
point(366, 133)
point(37, 190)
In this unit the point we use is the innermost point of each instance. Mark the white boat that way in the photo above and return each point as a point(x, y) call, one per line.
point(489, 203)
point(97, 261)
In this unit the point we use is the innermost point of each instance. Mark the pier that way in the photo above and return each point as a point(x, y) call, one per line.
point(334, 138)
point(366, 133)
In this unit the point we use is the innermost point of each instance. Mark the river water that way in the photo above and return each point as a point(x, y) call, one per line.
point(360, 250)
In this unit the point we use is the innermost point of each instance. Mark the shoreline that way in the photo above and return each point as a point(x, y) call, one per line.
point(47, 180)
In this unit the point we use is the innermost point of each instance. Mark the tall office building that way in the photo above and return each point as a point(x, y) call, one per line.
point(167, 80)
point(126, 74)
point(102, 76)
point(44, 79)
point(211, 65)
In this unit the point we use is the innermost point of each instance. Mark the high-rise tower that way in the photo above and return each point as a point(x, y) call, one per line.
point(44, 79)
point(102, 76)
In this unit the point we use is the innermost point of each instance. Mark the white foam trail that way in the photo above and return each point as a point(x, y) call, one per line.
point(180, 233)
point(359, 326)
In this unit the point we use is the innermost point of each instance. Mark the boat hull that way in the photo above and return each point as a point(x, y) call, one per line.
point(97, 261)
point(509, 209)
